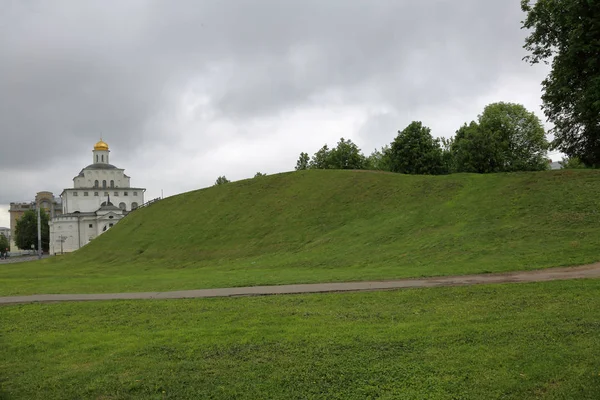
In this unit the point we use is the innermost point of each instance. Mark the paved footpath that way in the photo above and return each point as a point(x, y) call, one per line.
point(550, 274)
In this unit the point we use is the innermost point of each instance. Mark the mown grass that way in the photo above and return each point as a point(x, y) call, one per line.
point(319, 226)
point(517, 341)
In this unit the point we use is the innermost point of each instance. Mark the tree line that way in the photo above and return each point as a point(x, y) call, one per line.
point(505, 138)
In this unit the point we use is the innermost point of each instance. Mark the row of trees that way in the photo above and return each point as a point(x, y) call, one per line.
point(505, 138)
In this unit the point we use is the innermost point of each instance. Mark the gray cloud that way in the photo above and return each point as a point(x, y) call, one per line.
point(71, 71)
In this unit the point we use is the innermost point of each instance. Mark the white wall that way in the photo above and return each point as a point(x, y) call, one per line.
point(91, 176)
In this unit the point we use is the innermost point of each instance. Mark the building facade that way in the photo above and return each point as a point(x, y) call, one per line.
point(101, 195)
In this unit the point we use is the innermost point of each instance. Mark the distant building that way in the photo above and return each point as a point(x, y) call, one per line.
point(46, 200)
point(101, 195)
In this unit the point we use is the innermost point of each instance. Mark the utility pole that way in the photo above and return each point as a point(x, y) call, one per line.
point(39, 229)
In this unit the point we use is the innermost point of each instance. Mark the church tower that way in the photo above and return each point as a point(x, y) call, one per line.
point(101, 153)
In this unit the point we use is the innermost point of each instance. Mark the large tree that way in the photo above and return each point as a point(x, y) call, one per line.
point(567, 32)
point(346, 155)
point(302, 162)
point(26, 230)
point(506, 138)
point(320, 160)
point(415, 151)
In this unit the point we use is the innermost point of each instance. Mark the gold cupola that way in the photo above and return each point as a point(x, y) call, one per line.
point(101, 146)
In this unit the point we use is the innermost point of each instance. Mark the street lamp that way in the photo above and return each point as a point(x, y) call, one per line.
point(39, 229)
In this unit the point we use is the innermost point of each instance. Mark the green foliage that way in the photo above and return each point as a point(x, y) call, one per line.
point(572, 163)
point(448, 161)
point(346, 155)
point(26, 230)
point(567, 32)
point(320, 160)
point(3, 243)
point(415, 151)
point(302, 162)
point(221, 180)
point(506, 138)
point(331, 226)
point(380, 160)
point(513, 342)
point(259, 174)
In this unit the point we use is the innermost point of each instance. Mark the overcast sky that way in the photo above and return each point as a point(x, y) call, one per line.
point(185, 91)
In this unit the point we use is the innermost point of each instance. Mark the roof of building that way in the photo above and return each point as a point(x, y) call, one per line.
point(97, 166)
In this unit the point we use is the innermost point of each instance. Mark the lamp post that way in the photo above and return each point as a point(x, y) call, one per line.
point(39, 232)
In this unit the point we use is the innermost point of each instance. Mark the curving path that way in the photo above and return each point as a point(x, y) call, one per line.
point(542, 275)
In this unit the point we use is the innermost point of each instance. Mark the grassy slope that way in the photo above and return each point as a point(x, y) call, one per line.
point(519, 341)
point(316, 226)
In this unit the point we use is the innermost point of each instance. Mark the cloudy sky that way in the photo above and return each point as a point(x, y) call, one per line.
point(185, 91)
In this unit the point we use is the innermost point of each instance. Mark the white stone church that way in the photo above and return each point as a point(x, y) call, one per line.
point(100, 197)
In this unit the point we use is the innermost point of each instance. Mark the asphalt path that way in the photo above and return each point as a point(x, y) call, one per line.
point(542, 275)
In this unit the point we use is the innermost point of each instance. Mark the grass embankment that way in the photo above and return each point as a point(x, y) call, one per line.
point(519, 341)
point(319, 226)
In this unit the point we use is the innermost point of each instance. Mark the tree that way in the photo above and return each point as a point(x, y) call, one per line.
point(571, 163)
point(346, 155)
point(506, 138)
point(4, 243)
point(415, 151)
point(26, 230)
point(259, 174)
point(568, 33)
point(448, 161)
point(302, 162)
point(379, 160)
point(320, 160)
point(221, 180)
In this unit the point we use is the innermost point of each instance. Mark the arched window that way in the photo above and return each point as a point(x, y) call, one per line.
point(123, 206)
point(112, 184)
point(134, 205)
point(96, 183)
point(96, 157)
point(102, 157)
point(104, 184)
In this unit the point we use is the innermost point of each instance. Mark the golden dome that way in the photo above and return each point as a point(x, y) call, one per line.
point(101, 145)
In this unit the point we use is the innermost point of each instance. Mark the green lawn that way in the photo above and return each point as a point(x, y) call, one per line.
point(517, 341)
point(319, 226)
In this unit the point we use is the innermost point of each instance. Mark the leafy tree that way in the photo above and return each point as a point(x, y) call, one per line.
point(572, 163)
point(448, 161)
point(346, 155)
point(4, 243)
point(380, 160)
point(259, 174)
point(567, 32)
point(221, 180)
point(26, 230)
point(472, 151)
point(321, 159)
point(415, 151)
point(302, 162)
point(506, 138)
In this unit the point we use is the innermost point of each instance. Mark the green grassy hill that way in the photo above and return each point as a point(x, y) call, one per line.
point(317, 226)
